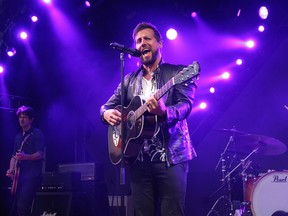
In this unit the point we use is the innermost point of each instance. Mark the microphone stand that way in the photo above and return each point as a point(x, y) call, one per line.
point(122, 168)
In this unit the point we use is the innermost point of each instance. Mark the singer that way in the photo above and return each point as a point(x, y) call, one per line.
point(159, 172)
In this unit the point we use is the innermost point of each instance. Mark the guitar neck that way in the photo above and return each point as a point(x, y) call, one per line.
point(24, 141)
point(165, 88)
point(185, 74)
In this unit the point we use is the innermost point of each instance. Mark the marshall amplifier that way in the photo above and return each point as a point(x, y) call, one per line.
point(68, 181)
point(89, 171)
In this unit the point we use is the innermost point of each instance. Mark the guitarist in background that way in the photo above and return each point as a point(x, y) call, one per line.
point(159, 174)
point(30, 141)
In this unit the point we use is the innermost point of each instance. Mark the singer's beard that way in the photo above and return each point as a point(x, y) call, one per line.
point(151, 60)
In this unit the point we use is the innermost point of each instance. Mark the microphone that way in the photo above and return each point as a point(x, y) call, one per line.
point(122, 48)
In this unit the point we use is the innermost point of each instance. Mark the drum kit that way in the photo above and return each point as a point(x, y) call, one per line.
point(263, 194)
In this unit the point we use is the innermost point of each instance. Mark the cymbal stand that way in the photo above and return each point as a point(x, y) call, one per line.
point(226, 182)
point(242, 163)
point(246, 205)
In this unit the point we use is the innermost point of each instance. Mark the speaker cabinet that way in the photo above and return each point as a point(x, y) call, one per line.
point(89, 171)
point(60, 204)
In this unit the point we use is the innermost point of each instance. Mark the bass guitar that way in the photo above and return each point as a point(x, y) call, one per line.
point(138, 127)
point(15, 176)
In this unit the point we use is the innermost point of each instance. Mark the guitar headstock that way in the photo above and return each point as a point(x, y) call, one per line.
point(188, 73)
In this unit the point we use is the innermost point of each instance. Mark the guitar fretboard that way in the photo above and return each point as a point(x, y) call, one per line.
point(158, 94)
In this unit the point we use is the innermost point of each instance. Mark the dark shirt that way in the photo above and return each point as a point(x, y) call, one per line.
point(34, 143)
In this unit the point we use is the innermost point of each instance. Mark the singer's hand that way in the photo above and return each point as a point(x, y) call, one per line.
point(113, 117)
point(156, 107)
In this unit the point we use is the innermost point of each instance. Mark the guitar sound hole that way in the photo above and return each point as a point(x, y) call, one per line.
point(130, 120)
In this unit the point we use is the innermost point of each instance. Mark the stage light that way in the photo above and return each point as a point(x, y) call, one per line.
point(239, 61)
point(193, 14)
point(11, 52)
point(261, 28)
point(34, 18)
point(1, 69)
point(250, 44)
point(212, 90)
point(226, 75)
point(87, 4)
point(23, 35)
point(171, 34)
point(263, 12)
point(47, 1)
point(203, 105)
point(239, 12)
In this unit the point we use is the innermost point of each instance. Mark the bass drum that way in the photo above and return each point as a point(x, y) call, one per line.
point(270, 194)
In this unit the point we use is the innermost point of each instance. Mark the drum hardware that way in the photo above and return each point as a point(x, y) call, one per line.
point(242, 163)
point(226, 197)
point(253, 144)
point(245, 164)
point(233, 131)
point(243, 143)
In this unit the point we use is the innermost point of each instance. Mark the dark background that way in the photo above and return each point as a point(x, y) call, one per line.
point(67, 70)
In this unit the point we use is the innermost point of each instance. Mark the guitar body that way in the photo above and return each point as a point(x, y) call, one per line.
point(16, 174)
point(136, 131)
point(15, 179)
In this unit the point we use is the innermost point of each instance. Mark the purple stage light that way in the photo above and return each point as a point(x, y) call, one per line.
point(87, 4)
point(23, 35)
point(239, 62)
point(203, 105)
point(261, 28)
point(11, 52)
point(250, 44)
point(34, 18)
point(171, 34)
point(212, 90)
point(193, 14)
point(47, 1)
point(263, 12)
point(226, 75)
point(239, 12)
point(1, 69)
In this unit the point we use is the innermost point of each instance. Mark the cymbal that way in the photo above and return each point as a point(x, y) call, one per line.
point(266, 145)
point(231, 131)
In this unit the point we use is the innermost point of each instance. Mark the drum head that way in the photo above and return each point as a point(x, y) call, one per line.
point(270, 194)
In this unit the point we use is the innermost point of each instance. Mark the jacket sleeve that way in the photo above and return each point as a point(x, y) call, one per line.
point(115, 99)
point(180, 106)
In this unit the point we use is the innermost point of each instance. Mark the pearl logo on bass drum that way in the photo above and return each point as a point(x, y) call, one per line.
point(278, 179)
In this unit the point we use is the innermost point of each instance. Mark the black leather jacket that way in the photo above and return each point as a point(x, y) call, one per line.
point(179, 101)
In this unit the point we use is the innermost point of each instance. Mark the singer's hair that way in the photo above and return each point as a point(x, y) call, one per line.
point(145, 25)
point(26, 110)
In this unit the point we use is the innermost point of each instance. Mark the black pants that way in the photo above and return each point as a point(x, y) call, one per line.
point(26, 191)
point(158, 189)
